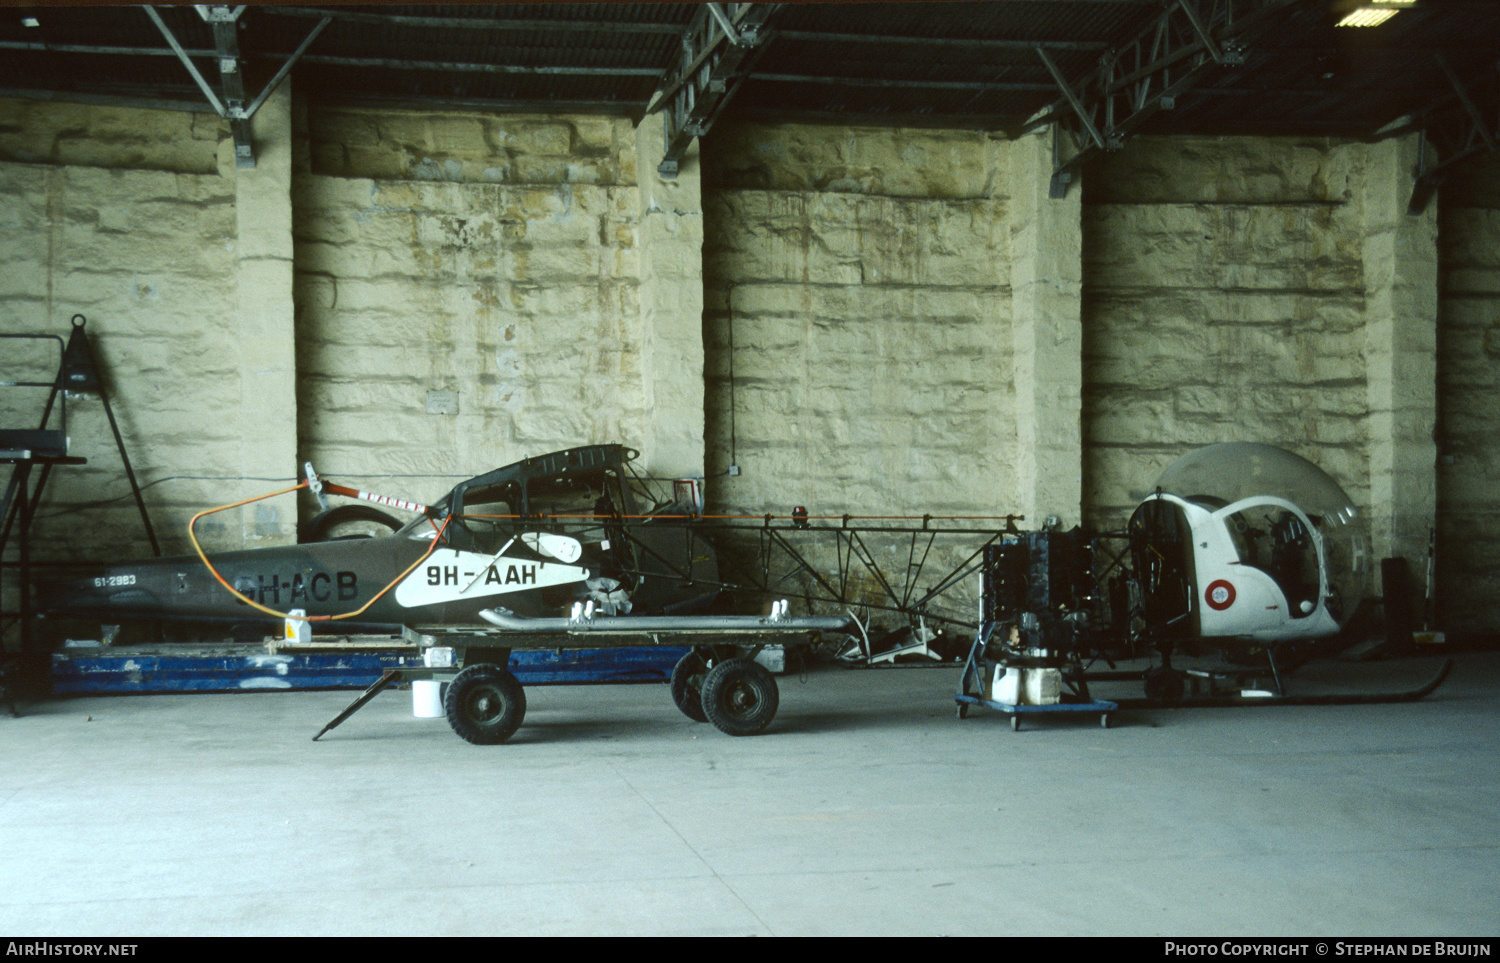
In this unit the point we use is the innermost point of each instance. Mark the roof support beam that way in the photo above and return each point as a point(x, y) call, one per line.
point(962, 43)
point(974, 85)
point(390, 63)
point(1103, 106)
point(186, 60)
point(477, 23)
point(1460, 129)
point(286, 67)
point(225, 23)
point(718, 49)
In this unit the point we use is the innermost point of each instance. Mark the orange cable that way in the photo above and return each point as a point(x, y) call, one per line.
point(192, 536)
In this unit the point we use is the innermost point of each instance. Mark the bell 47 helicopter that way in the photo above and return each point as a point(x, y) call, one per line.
point(1240, 546)
point(1243, 545)
point(1250, 542)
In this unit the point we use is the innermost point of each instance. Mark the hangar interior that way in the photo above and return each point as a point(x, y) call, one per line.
point(958, 258)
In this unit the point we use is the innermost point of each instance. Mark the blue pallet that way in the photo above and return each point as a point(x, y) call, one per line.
point(96, 673)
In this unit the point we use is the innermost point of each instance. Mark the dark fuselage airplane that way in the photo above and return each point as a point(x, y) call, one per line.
point(530, 539)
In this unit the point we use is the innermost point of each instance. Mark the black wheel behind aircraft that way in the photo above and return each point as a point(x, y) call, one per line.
point(485, 704)
point(740, 697)
point(687, 685)
point(1164, 686)
point(349, 521)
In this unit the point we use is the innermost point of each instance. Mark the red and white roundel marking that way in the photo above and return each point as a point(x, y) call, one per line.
point(1220, 595)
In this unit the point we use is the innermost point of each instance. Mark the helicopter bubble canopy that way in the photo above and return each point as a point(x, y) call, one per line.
point(1279, 550)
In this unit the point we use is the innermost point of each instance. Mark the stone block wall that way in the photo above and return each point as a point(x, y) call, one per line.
point(866, 321)
point(1468, 474)
point(124, 217)
point(467, 293)
point(1223, 301)
point(1264, 290)
point(857, 330)
point(468, 290)
point(857, 283)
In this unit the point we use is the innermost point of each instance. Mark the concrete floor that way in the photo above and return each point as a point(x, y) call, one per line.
point(867, 808)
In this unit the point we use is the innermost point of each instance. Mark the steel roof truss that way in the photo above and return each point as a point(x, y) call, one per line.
point(1462, 134)
point(225, 23)
point(717, 49)
point(1134, 80)
point(186, 60)
point(286, 67)
point(477, 23)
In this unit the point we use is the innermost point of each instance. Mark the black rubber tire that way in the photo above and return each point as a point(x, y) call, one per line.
point(740, 697)
point(687, 686)
point(349, 521)
point(485, 704)
point(1164, 686)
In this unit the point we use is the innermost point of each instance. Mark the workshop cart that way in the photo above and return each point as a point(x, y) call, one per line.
point(971, 690)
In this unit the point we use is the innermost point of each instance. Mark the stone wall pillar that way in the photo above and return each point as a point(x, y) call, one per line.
point(1400, 270)
point(1047, 332)
point(265, 322)
point(670, 242)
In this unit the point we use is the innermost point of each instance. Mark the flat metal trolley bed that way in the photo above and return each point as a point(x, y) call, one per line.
point(717, 681)
point(1078, 701)
point(1016, 711)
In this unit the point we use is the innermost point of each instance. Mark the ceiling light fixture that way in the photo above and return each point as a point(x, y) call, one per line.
point(1372, 13)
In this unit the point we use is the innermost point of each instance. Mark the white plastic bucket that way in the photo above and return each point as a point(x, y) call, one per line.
point(427, 699)
point(427, 694)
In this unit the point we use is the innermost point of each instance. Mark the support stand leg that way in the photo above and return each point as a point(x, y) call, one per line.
point(387, 679)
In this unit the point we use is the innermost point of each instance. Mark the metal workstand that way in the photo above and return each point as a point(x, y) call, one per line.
point(46, 446)
point(974, 672)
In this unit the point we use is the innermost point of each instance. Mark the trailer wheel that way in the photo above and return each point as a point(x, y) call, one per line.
point(740, 697)
point(687, 685)
point(485, 704)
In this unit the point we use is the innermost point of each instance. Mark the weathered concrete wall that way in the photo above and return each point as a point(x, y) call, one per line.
point(1468, 476)
point(182, 264)
point(467, 290)
point(1223, 301)
point(470, 291)
point(266, 320)
point(668, 236)
point(60, 134)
